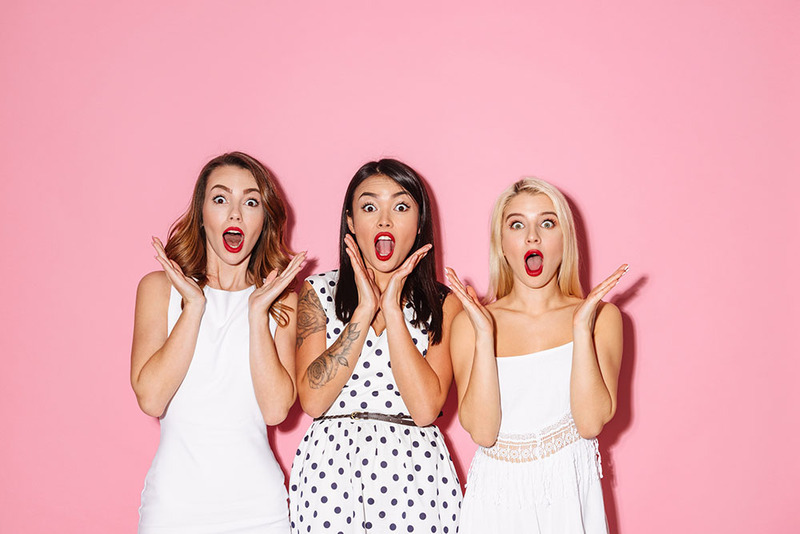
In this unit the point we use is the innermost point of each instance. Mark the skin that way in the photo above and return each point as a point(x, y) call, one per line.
point(533, 317)
point(159, 362)
point(379, 205)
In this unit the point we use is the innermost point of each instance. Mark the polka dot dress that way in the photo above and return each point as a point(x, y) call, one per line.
point(371, 476)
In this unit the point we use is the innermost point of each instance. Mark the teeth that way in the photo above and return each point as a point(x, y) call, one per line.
point(384, 238)
point(234, 232)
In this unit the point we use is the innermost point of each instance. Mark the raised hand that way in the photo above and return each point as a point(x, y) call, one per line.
point(586, 312)
point(390, 299)
point(478, 315)
point(185, 285)
point(274, 285)
point(368, 293)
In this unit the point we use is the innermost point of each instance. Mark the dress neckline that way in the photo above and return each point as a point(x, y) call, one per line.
point(551, 349)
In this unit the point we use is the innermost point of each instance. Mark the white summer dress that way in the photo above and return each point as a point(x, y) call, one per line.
point(540, 476)
point(367, 476)
point(214, 471)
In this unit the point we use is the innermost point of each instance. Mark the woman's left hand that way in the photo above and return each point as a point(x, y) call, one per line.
point(586, 312)
point(263, 297)
point(390, 298)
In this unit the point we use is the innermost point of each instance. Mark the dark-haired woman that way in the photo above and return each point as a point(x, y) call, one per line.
point(373, 368)
point(213, 357)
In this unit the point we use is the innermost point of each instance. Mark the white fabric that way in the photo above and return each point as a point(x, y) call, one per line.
point(541, 476)
point(214, 471)
point(366, 476)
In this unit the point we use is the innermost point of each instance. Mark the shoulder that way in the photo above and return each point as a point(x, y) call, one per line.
point(608, 312)
point(325, 280)
point(452, 306)
point(153, 285)
point(461, 323)
point(153, 293)
point(609, 320)
point(290, 299)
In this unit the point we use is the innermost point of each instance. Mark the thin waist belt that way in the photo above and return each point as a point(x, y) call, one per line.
point(400, 419)
point(520, 448)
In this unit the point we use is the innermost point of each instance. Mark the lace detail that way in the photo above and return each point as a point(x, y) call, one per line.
point(519, 448)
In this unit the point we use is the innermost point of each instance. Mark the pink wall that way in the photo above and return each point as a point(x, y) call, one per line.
point(672, 126)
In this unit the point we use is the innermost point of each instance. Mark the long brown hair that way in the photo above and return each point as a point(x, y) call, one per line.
point(186, 244)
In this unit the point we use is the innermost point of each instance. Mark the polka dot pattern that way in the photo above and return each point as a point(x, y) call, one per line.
point(371, 476)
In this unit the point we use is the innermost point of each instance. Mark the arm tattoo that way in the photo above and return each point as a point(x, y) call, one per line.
point(310, 315)
point(323, 369)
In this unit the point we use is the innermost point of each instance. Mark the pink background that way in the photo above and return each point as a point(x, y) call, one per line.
point(673, 126)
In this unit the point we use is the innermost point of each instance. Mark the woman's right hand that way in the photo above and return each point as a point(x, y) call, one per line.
point(369, 295)
point(478, 315)
point(186, 286)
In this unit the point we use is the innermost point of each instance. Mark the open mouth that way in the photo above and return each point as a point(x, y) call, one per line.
point(534, 262)
point(233, 239)
point(384, 246)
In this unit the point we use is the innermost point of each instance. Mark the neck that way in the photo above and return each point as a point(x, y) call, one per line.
point(536, 300)
point(382, 280)
point(227, 277)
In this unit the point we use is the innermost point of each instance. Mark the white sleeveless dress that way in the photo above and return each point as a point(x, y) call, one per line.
point(540, 476)
point(355, 476)
point(214, 471)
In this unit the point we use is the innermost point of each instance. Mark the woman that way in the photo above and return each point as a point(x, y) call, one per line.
point(536, 372)
point(213, 357)
point(373, 368)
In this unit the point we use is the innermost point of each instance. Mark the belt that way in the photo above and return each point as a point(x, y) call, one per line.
point(400, 419)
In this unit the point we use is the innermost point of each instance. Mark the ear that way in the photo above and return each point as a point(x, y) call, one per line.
point(350, 224)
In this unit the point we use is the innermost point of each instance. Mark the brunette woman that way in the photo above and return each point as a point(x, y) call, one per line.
point(373, 367)
point(536, 372)
point(213, 357)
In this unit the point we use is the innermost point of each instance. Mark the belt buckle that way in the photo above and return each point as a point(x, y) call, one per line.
point(354, 415)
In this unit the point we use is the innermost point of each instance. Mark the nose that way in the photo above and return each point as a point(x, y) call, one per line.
point(384, 221)
point(533, 235)
point(235, 213)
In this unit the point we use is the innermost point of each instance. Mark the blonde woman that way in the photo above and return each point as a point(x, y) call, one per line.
point(536, 372)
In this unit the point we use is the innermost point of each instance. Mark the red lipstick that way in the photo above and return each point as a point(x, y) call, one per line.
point(233, 239)
point(384, 246)
point(534, 262)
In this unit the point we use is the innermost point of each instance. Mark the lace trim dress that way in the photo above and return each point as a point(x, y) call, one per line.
point(540, 476)
point(365, 475)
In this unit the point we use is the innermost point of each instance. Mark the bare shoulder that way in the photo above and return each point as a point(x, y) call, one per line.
point(154, 286)
point(290, 299)
point(451, 306)
point(461, 323)
point(609, 313)
point(609, 322)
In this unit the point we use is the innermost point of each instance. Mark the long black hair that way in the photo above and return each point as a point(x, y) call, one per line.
point(421, 289)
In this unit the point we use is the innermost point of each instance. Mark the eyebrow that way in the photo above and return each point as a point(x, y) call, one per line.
point(551, 213)
point(228, 189)
point(374, 195)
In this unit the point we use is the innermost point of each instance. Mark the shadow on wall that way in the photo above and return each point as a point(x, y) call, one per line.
point(623, 418)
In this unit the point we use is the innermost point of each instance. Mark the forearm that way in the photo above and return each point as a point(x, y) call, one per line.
point(479, 410)
point(418, 383)
point(273, 384)
point(323, 379)
point(591, 402)
point(159, 378)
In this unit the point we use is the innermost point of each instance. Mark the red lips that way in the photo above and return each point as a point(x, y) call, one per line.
point(233, 239)
point(384, 246)
point(534, 262)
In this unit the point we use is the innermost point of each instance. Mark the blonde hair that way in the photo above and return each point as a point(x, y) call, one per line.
point(501, 280)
